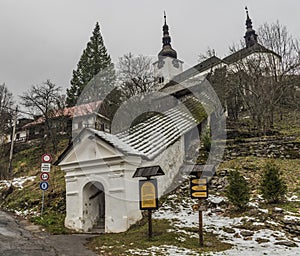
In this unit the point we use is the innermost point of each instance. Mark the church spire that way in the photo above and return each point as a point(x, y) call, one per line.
point(250, 36)
point(167, 50)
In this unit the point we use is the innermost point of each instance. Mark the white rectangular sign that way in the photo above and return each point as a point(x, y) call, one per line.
point(45, 167)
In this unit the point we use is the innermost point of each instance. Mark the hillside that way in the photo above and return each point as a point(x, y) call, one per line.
point(256, 231)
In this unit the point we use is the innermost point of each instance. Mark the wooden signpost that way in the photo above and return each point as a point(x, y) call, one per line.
point(199, 190)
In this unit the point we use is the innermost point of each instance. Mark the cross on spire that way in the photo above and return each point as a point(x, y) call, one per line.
point(250, 36)
point(167, 50)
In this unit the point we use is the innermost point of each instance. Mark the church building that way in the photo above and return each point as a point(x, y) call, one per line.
point(101, 194)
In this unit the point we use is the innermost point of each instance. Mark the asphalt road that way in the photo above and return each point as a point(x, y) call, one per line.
point(20, 238)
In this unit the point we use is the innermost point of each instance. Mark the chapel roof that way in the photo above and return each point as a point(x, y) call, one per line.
point(247, 51)
point(149, 138)
point(195, 70)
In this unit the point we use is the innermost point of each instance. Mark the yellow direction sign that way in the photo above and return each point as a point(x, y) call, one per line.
point(199, 181)
point(198, 188)
point(200, 194)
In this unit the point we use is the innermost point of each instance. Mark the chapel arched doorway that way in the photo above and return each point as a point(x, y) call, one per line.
point(94, 206)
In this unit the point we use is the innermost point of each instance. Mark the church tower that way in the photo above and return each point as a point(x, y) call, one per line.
point(167, 65)
point(250, 36)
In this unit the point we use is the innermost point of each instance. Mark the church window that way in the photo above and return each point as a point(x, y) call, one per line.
point(161, 79)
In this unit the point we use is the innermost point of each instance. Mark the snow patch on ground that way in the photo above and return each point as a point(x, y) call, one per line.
point(168, 250)
point(16, 182)
point(183, 216)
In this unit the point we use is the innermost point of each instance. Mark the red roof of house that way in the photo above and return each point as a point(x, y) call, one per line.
point(71, 112)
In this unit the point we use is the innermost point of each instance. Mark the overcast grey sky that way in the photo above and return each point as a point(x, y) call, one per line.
point(44, 39)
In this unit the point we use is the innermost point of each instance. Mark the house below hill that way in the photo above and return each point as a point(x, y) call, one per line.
point(66, 121)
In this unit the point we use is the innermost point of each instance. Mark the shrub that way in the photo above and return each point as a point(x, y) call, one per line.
point(206, 139)
point(238, 191)
point(272, 186)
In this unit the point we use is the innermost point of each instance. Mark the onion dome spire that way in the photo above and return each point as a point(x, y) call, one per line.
point(250, 36)
point(167, 50)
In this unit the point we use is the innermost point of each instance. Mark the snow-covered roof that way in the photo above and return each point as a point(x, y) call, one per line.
point(151, 137)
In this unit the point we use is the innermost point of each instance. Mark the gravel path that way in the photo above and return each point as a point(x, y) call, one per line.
point(20, 238)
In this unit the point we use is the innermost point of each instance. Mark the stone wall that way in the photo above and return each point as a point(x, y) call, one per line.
point(271, 147)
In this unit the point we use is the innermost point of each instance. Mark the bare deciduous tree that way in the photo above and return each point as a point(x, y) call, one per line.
point(45, 100)
point(135, 74)
point(277, 38)
point(6, 116)
point(266, 79)
point(210, 52)
point(6, 104)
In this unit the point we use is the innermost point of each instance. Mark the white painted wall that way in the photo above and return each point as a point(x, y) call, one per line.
point(96, 161)
point(168, 70)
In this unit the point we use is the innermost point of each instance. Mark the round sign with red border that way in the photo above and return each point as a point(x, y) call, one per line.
point(44, 176)
point(46, 158)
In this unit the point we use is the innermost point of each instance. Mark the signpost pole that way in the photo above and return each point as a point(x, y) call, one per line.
point(150, 224)
point(44, 176)
point(43, 199)
point(148, 191)
point(149, 220)
point(200, 216)
point(200, 223)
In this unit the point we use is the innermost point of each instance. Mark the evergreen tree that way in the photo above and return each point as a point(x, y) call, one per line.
point(238, 191)
point(93, 60)
point(272, 186)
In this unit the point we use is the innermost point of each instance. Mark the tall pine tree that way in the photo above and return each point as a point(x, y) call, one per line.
point(93, 60)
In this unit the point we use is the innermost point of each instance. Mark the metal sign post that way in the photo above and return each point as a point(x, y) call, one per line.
point(148, 199)
point(43, 200)
point(44, 177)
point(148, 191)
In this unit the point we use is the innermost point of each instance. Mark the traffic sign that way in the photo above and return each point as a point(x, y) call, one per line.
point(46, 158)
point(45, 167)
point(45, 176)
point(44, 185)
point(198, 187)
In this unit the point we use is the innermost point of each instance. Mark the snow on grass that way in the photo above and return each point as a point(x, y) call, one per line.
point(289, 217)
point(261, 242)
point(293, 198)
point(27, 212)
point(16, 182)
point(167, 250)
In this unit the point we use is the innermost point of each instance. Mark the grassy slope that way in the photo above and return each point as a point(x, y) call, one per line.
point(27, 162)
point(136, 239)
